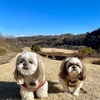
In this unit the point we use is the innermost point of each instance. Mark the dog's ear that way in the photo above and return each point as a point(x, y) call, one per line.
point(82, 75)
point(63, 70)
point(40, 70)
point(17, 75)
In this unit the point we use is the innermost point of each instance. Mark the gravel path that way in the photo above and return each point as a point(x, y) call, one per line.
point(9, 90)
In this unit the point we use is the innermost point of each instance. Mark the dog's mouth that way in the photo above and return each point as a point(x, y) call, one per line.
point(74, 70)
point(25, 67)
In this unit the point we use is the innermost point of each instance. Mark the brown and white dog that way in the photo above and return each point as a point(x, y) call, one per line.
point(72, 74)
point(30, 74)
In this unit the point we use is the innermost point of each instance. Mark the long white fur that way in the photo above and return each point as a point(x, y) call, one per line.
point(27, 94)
point(76, 89)
point(29, 76)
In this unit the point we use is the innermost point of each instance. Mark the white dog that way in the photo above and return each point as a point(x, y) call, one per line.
point(72, 74)
point(30, 74)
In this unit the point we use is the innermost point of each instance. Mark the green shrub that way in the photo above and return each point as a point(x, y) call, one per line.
point(35, 48)
point(87, 51)
point(2, 51)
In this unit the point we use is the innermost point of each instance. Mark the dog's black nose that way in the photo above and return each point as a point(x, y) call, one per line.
point(25, 64)
point(73, 67)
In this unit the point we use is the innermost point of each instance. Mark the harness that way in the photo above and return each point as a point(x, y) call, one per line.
point(38, 87)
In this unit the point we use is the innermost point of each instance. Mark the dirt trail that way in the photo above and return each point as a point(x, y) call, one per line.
point(9, 90)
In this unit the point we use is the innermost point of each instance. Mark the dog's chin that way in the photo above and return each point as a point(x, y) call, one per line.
point(28, 71)
point(75, 71)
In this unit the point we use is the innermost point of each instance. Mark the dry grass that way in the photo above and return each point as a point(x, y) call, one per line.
point(2, 51)
point(7, 50)
point(10, 90)
point(57, 50)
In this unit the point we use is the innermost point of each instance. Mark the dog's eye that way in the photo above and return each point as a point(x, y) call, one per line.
point(31, 62)
point(77, 65)
point(71, 64)
point(21, 61)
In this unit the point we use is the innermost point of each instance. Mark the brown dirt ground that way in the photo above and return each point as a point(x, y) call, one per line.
point(9, 90)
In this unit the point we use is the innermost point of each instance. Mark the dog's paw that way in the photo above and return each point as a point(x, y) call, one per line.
point(75, 94)
point(27, 99)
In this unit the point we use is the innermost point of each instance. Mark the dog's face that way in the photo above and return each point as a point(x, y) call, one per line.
point(27, 63)
point(73, 68)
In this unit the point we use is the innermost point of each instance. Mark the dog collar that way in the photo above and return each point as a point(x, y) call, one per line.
point(24, 85)
point(39, 86)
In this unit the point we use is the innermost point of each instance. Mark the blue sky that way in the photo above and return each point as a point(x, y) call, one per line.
point(47, 17)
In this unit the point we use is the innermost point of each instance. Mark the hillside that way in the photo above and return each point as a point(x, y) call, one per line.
point(93, 39)
point(68, 41)
point(61, 41)
point(7, 49)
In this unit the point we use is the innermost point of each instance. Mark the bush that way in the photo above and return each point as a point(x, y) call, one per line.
point(2, 51)
point(87, 50)
point(35, 48)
